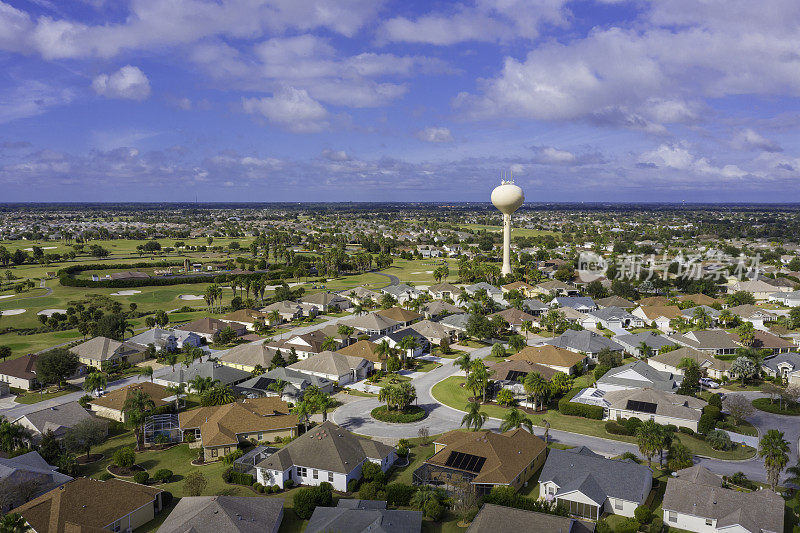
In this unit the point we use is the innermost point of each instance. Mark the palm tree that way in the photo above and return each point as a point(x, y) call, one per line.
point(14, 523)
point(775, 451)
point(303, 410)
point(537, 388)
point(726, 317)
point(408, 344)
point(475, 418)
point(517, 342)
point(464, 362)
point(324, 403)
point(650, 437)
point(147, 371)
point(95, 381)
point(330, 344)
point(274, 317)
point(171, 358)
point(546, 429)
point(527, 327)
point(136, 408)
point(179, 389)
point(218, 395)
point(201, 384)
point(794, 474)
point(384, 350)
point(644, 350)
point(515, 419)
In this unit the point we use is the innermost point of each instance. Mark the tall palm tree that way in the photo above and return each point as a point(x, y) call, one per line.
point(201, 384)
point(219, 394)
point(179, 390)
point(95, 381)
point(794, 474)
point(408, 344)
point(171, 358)
point(515, 419)
point(274, 317)
point(537, 388)
point(475, 418)
point(650, 438)
point(147, 371)
point(384, 350)
point(644, 350)
point(136, 408)
point(330, 344)
point(775, 451)
point(464, 362)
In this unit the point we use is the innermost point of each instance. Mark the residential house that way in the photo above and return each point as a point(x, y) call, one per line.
point(363, 516)
point(650, 404)
point(295, 383)
point(457, 322)
point(365, 350)
point(759, 289)
point(405, 317)
point(515, 318)
point(332, 330)
point(401, 292)
point(337, 367)
point(396, 337)
point(360, 294)
point(590, 485)
point(247, 357)
point(654, 301)
point(559, 359)
point(372, 324)
point(526, 289)
point(691, 313)
point(224, 374)
point(670, 362)
point(555, 288)
point(435, 332)
point(502, 519)
point(587, 342)
point(165, 339)
point(790, 299)
point(534, 307)
point(786, 365)
point(697, 500)
point(764, 340)
point(305, 345)
point(326, 453)
point(287, 309)
point(753, 314)
point(249, 318)
point(510, 375)
point(612, 318)
point(615, 301)
point(660, 315)
point(584, 304)
point(444, 291)
point(711, 341)
point(439, 308)
point(88, 504)
point(219, 429)
point(101, 352)
point(483, 459)
point(56, 419)
point(209, 328)
point(632, 342)
point(112, 404)
point(326, 302)
point(700, 299)
point(20, 373)
point(234, 514)
point(492, 292)
point(638, 375)
point(25, 477)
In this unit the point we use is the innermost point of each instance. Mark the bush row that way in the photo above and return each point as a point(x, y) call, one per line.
point(568, 407)
point(412, 413)
point(237, 478)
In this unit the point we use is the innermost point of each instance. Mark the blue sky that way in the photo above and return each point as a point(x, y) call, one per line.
point(370, 100)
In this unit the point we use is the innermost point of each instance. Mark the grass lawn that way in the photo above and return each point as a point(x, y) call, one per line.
point(391, 379)
point(778, 408)
point(426, 366)
point(30, 397)
point(354, 392)
point(450, 393)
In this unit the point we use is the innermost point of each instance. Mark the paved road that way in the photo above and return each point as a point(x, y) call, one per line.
point(393, 280)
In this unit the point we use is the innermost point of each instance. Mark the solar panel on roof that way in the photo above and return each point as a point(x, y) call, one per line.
point(642, 407)
point(465, 461)
point(516, 375)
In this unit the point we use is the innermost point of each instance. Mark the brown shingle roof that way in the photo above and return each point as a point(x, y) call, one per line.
point(507, 454)
point(514, 316)
point(104, 349)
point(675, 357)
point(400, 314)
point(21, 367)
point(85, 504)
point(503, 368)
point(653, 312)
point(116, 398)
point(548, 355)
point(699, 299)
point(764, 339)
point(209, 326)
point(220, 424)
point(246, 315)
point(364, 349)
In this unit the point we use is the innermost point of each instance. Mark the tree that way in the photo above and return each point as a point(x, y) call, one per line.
point(278, 360)
point(147, 371)
point(514, 419)
point(478, 379)
point(304, 409)
point(526, 327)
point(644, 350)
point(322, 402)
point(178, 390)
point(561, 383)
point(408, 344)
point(747, 333)
point(498, 351)
point(464, 362)
point(479, 327)
point(84, 435)
point(95, 381)
point(383, 350)
point(113, 326)
point(743, 368)
point(650, 438)
point(474, 418)
point(774, 449)
point(739, 407)
point(5, 351)
point(517, 342)
point(55, 366)
point(739, 298)
point(691, 376)
point(201, 384)
point(219, 394)
point(679, 457)
point(537, 388)
point(136, 408)
point(170, 359)
point(50, 447)
point(14, 523)
point(608, 358)
point(505, 398)
point(194, 484)
point(330, 344)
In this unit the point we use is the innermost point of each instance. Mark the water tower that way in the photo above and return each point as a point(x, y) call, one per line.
point(507, 198)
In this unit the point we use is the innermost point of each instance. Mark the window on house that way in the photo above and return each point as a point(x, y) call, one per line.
point(302, 471)
point(214, 452)
point(315, 474)
point(618, 504)
point(709, 522)
point(260, 436)
point(672, 516)
point(330, 477)
point(116, 526)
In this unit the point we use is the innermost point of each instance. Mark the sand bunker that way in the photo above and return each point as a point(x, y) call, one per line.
point(426, 272)
point(9, 312)
point(42, 247)
point(7, 296)
point(190, 297)
point(125, 293)
point(51, 312)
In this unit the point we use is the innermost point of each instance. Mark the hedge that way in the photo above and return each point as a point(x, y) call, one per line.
point(567, 407)
point(790, 408)
point(614, 428)
point(399, 494)
point(412, 413)
point(237, 478)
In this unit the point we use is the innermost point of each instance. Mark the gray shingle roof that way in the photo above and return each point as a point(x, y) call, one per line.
point(648, 377)
point(224, 513)
point(583, 341)
point(356, 520)
point(58, 418)
point(651, 338)
point(501, 519)
point(582, 469)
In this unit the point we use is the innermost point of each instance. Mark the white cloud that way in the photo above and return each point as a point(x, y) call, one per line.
point(290, 108)
point(678, 157)
point(128, 83)
point(336, 155)
point(31, 98)
point(749, 139)
point(549, 154)
point(435, 134)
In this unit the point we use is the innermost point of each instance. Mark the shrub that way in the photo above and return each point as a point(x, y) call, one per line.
point(629, 525)
point(656, 525)
point(615, 428)
point(433, 510)
point(352, 485)
point(105, 476)
point(372, 472)
point(258, 487)
point(402, 451)
point(719, 440)
point(630, 455)
point(685, 430)
point(288, 484)
point(643, 514)
point(715, 400)
point(399, 494)
point(566, 407)
point(600, 370)
point(84, 401)
point(163, 475)
point(229, 458)
point(372, 491)
point(412, 413)
point(632, 424)
point(713, 411)
point(672, 428)
point(706, 424)
point(305, 502)
point(189, 437)
point(125, 457)
point(141, 477)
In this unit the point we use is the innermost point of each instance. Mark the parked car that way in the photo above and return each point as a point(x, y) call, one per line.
point(707, 382)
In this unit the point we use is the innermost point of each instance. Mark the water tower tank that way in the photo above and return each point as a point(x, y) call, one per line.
point(507, 197)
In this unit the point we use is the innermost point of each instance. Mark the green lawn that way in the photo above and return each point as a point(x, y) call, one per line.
point(390, 379)
point(426, 366)
point(27, 398)
point(451, 393)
